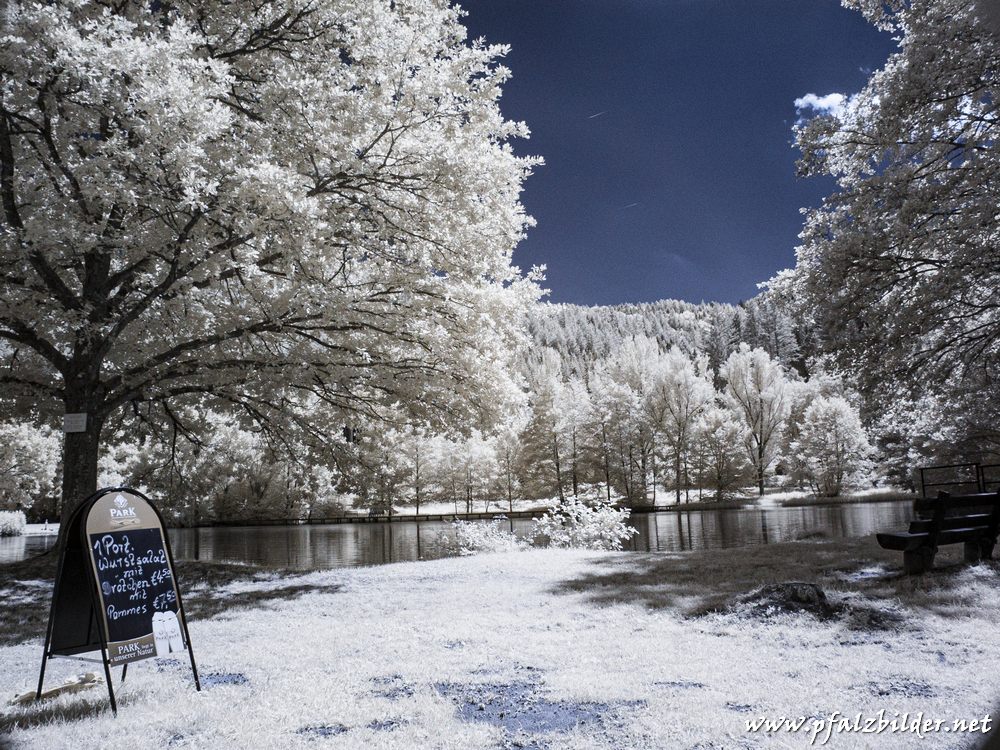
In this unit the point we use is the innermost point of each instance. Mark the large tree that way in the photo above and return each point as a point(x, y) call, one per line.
point(832, 446)
point(900, 267)
point(757, 391)
point(298, 208)
point(677, 392)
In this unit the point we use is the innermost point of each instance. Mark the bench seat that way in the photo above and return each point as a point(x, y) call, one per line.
point(901, 541)
point(970, 519)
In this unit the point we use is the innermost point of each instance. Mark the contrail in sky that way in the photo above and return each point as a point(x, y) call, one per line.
point(599, 114)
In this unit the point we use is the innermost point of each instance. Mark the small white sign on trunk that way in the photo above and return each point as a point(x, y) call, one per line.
point(74, 422)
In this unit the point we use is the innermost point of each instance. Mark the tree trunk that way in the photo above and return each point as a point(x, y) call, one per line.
point(84, 394)
point(80, 451)
point(652, 465)
point(623, 464)
point(416, 481)
point(576, 492)
point(677, 475)
point(607, 465)
point(760, 472)
point(555, 460)
point(644, 473)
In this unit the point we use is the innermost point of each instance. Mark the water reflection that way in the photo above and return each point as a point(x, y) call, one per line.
point(715, 529)
point(347, 545)
point(14, 548)
point(318, 547)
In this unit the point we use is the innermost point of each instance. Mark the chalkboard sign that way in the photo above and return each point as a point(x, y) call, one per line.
point(115, 588)
point(135, 580)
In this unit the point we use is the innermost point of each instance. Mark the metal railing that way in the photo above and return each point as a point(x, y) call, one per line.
point(977, 476)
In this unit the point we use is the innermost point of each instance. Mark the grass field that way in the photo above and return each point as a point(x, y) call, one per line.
point(544, 649)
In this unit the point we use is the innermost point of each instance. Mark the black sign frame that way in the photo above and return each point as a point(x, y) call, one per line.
point(77, 622)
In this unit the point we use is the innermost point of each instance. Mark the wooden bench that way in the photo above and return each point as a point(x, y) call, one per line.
point(947, 519)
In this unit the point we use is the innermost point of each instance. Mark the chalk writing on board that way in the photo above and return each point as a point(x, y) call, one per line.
point(137, 593)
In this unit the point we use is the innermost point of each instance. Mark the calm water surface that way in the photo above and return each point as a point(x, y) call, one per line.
point(14, 548)
point(348, 545)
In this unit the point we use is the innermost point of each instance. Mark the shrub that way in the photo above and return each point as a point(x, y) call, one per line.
point(473, 537)
point(11, 522)
point(572, 523)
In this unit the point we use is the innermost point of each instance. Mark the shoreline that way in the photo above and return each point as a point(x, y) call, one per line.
point(40, 529)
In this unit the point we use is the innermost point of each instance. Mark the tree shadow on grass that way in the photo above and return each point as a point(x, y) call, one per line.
point(856, 570)
point(200, 584)
point(27, 592)
point(49, 711)
point(703, 581)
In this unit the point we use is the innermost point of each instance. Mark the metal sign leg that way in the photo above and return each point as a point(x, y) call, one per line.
point(107, 676)
point(41, 674)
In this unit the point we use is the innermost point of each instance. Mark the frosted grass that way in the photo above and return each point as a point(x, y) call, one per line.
point(364, 667)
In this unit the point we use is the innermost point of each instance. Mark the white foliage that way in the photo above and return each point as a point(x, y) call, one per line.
point(510, 456)
point(12, 522)
point(572, 523)
point(300, 208)
point(29, 459)
point(757, 390)
point(677, 393)
point(832, 445)
point(801, 395)
point(619, 427)
point(463, 469)
point(474, 537)
point(896, 267)
point(225, 469)
point(721, 439)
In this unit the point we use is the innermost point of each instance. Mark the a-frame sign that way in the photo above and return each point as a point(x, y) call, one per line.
point(115, 589)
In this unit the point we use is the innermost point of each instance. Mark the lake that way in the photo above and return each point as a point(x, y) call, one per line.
point(347, 545)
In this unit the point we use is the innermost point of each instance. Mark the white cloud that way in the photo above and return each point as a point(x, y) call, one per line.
point(831, 104)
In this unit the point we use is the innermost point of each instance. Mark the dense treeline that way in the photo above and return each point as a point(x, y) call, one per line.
point(626, 403)
point(647, 423)
point(584, 335)
point(665, 402)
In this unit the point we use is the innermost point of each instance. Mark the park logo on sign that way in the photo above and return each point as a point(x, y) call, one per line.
point(123, 514)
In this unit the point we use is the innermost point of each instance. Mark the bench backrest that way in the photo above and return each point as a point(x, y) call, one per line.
point(957, 505)
point(947, 511)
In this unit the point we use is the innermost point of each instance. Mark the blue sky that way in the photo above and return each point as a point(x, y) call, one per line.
point(666, 130)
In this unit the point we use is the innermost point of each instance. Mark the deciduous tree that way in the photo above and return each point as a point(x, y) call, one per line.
point(756, 388)
point(29, 458)
point(677, 392)
point(900, 266)
point(298, 209)
point(832, 444)
point(723, 463)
